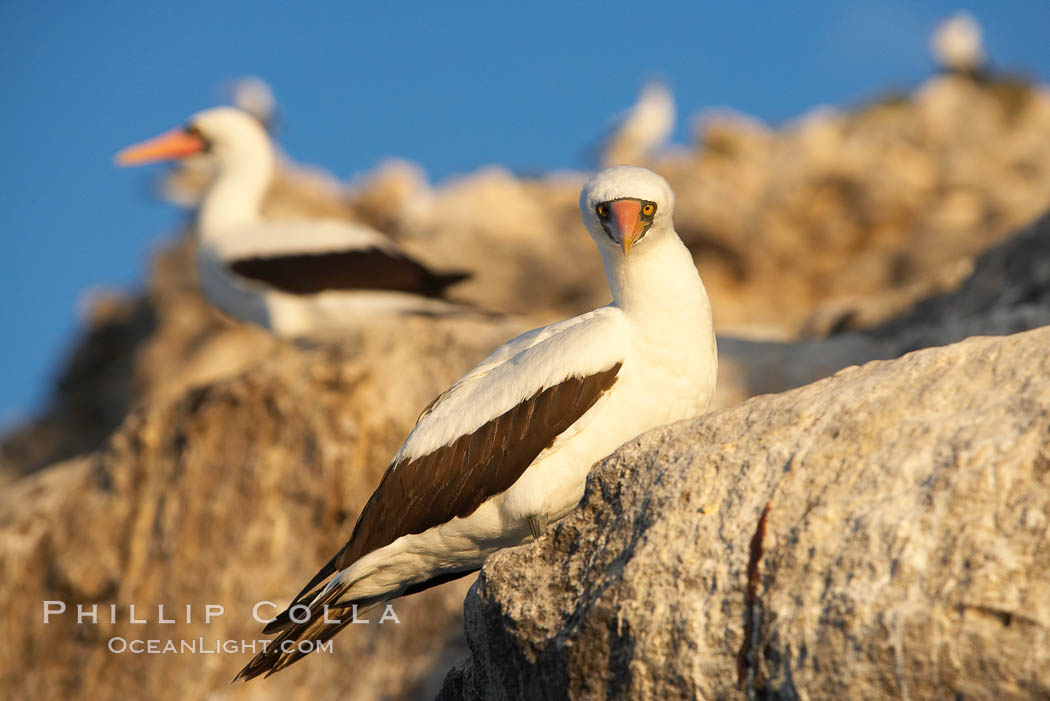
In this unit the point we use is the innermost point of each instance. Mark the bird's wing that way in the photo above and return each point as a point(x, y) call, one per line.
point(477, 439)
point(310, 256)
point(517, 345)
point(359, 269)
point(519, 369)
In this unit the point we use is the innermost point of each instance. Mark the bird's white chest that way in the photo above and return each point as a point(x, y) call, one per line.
point(658, 384)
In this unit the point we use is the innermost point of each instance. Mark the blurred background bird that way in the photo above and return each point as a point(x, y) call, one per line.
point(637, 134)
point(297, 276)
point(957, 45)
point(297, 190)
point(187, 180)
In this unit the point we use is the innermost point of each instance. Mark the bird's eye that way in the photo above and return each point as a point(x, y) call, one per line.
point(602, 210)
point(649, 209)
point(195, 131)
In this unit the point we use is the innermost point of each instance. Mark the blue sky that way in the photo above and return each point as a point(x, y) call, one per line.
point(451, 85)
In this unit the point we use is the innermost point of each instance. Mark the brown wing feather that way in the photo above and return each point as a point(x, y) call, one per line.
point(361, 269)
point(454, 480)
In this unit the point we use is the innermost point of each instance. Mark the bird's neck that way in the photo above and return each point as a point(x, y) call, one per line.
point(235, 195)
point(658, 285)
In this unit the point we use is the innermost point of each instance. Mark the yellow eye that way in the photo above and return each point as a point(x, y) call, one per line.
point(603, 210)
point(649, 209)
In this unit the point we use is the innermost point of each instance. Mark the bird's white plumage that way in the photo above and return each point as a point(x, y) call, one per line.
point(280, 237)
point(957, 43)
point(254, 96)
point(658, 338)
point(321, 315)
point(517, 370)
point(658, 328)
point(231, 228)
point(186, 183)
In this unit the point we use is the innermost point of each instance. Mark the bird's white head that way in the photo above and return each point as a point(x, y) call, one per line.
point(229, 134)
point(627, 207)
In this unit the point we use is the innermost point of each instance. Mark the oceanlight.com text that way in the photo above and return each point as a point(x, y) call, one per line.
point(201, 646)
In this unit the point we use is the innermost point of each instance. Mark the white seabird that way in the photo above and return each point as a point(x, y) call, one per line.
point(254, 96)
point(296, 277)
point(957, 44)
point(638, 133)
point(508, 447)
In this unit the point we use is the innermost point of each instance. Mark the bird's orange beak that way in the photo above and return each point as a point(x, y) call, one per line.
point(177, 143)
point(626, 222)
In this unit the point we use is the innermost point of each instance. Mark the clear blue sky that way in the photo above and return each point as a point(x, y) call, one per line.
point(450, 85)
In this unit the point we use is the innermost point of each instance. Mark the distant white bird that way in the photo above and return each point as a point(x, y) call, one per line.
point(254, 96)
point(296, 277)
point(508, 447)
point(956, 44)
point(638, 133)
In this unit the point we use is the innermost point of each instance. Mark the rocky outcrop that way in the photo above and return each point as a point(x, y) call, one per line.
point(883, 533)
point(233, 493)
point(866, 209)
point(1007, 291)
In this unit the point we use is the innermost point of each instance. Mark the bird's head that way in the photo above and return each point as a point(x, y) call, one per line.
point(626, 207)
point(227, 133)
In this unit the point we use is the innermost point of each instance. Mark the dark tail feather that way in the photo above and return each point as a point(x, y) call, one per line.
point(284, 617)
point(440, 281)
point(275, 658)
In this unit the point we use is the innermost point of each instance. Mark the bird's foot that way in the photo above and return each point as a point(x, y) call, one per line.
point(537, 524)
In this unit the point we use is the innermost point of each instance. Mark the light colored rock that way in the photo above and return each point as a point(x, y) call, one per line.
point(879, 534)
point(233, 493)
point(1007, 291)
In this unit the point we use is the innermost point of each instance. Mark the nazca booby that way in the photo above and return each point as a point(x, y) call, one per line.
point(507, 448)
point(296, 277)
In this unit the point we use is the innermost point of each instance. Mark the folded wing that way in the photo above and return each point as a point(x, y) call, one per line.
point(473, 443)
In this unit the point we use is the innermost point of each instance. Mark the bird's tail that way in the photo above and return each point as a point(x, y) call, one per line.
point(327, 616)
point(448, 279)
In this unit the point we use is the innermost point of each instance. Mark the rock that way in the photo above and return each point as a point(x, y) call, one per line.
point(845, 204)
point(880, 533)
point(1007, 291)
point(152, 346)
point(233, 493)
